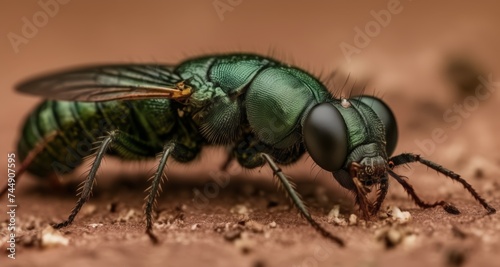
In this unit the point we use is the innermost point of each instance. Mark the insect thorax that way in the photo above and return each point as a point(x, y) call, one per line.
point(239, 91)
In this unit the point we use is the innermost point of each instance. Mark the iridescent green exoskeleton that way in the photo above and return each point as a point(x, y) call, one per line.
point(265, 111)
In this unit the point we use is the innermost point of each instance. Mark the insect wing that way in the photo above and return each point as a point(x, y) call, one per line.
point(103, 83)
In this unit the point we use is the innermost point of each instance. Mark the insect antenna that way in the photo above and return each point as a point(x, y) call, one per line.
point(409, 158)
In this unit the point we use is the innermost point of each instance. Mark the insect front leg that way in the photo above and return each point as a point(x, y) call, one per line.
point(409, 189)
point(250, 153)
point(360, 190)
point(155, 189)
point(382, 192)
point(86, 188)
point(297, 200)
point(409, 158)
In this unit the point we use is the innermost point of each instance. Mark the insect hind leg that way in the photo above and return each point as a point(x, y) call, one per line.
point(409, 158)
point(87, 185)
point(30, 157)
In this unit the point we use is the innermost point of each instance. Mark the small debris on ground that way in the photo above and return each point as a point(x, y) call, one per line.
point(254, 226)
point(232, 234)
point(392, 236)
point(129, 215)
point(240, 209)
point(112, 206)
point(335, 217)
point(353, 219)
point(398, 215)
point(52, 238)
point(95, 225)
point(88, 209)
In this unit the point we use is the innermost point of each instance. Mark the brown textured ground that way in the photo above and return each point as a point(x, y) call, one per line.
point(248, 223)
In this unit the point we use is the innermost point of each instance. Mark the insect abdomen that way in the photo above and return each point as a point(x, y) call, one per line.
point(68, 131)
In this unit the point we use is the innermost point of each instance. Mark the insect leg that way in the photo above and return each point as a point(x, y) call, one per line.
point(86, 188)
point(382, 192)
point(155, 190)
point(361, 198)
point(297, 201)
point(409, 158)
point(409, 189)
point(30, 158)
point(361, 190)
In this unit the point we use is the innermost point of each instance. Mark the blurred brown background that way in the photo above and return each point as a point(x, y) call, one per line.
point(404, 61)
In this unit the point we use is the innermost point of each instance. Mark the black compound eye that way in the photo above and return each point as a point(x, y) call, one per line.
point(325, 136)
point(387, 117)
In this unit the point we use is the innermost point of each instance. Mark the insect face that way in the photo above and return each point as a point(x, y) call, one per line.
point(328, 135)
point(352, 139)
point(370, 170)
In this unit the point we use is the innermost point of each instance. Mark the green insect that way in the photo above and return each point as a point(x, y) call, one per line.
point(265, 111)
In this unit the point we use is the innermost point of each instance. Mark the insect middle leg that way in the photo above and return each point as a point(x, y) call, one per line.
point(155, 190)
point(409, 158)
